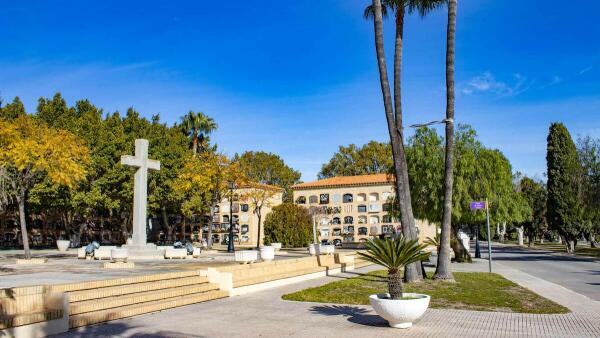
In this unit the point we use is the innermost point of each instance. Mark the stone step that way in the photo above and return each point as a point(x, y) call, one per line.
point(142, 308)
point(7, 321)
point(137, 298)
point(85, 285)
point(118, 290)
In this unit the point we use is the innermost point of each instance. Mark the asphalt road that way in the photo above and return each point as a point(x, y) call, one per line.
point(579, 274)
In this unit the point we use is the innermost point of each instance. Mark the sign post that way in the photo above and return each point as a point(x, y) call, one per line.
point(478, 205)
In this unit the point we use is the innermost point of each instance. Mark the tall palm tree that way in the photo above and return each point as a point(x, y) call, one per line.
point(198, 126)
point(443, 267)
point(394, 116)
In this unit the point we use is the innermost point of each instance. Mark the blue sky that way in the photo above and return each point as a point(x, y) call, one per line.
point(300, 78)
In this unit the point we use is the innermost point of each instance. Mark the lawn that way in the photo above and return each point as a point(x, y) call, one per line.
point(580, 250)
point(478, 291)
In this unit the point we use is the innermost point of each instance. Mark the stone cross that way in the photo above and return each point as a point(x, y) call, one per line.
point(140, 188)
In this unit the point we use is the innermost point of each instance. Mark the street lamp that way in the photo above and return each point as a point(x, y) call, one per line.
point(230, 247)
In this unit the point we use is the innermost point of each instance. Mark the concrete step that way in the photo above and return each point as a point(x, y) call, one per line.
point(85, 285)
point(139, 297)
point(142, 308)
point(7, 321)
point(110, 291)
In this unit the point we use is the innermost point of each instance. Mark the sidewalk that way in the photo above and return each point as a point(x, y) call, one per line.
point(264, 314)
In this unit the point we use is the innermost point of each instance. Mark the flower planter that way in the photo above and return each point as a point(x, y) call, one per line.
point(246, 256)
point(327, 249)
point(400, 313)
point(433, 258)
point(277, 246)
point(119, 255)
point(62, 244)
point(267, 253)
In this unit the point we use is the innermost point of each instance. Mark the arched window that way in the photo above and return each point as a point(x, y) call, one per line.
point(361, 197)
point(387, 219)
point(362, 231)
point(244, 228)
point(385, 196)
point(348, 198)
point(336, 198)
point(314, 199)
point(373, 197)
point(373, 219)
point(301, 200)
point(362, 219)
point(225, 218)
point(362, 208)
point(336, 220)
point(337, 232)
point(324, 221)
point(348, 220)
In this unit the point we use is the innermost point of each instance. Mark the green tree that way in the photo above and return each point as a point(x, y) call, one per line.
point(564, 173)
point(290, 225)
point(259, 196)
point(534, 193)
point(268, 168)
point(588, 150)
point(12, 110)
point(198, 126)
point(372, 158)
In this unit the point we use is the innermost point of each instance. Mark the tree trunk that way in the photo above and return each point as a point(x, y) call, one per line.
point(195, 143)
point(22, 221)
point(395, 131)
point(165, 217)
point(443, 266)
point(258, 215)
point(395, 284)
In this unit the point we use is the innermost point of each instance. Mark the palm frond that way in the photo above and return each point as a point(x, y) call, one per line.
point(394, 254)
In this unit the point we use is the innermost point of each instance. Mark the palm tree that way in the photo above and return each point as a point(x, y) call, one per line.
point(442, 270)
point(198, 126)
point(394, 255)
point(394, 116)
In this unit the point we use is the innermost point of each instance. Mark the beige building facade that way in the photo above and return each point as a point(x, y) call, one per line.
point(351, 209)
point(245, 221)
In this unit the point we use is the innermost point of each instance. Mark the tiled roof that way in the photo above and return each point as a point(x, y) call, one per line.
point(261, 186)
point(343, 181)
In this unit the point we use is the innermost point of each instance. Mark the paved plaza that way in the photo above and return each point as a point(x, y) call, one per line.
point(265, 314)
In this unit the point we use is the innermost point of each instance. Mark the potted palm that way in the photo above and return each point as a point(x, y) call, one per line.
point(400, 309)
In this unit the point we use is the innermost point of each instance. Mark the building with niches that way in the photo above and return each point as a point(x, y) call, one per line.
point(350, 209)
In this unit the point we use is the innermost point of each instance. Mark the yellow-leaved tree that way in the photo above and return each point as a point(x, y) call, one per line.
point(203, 182)
point(259, 196)
point(30, 151)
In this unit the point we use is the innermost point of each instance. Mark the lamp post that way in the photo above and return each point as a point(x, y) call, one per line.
point(230, 247)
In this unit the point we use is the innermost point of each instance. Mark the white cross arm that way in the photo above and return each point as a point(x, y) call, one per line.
point(131, 161)
point(153, 164)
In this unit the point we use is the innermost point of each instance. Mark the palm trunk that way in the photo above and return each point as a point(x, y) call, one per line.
point(22, 221)
point(395, 131)
point(443, 266)
point(395, 284)
point(195, 143)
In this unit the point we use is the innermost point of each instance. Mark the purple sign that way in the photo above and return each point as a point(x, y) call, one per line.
point(477, 205)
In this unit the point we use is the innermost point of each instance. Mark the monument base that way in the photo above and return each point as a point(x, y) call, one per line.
point(148, 251)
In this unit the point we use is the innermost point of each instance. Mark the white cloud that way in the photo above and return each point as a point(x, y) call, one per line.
point(585, 70)
point(487, 83)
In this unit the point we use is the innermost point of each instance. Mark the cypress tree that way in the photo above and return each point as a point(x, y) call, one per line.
point(563, 185)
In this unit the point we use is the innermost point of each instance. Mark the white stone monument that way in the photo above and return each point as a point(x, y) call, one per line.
point(139, 247)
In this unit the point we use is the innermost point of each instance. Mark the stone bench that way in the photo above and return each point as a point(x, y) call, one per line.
point(104, 252)
point(171, 253)
point(246, 256)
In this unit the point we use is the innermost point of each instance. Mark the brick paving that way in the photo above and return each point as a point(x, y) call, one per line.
point(264, 314)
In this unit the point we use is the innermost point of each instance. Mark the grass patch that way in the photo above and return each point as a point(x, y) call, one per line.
point(580, 250)
point(477, 291)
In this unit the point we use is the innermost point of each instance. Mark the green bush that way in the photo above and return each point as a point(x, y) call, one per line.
point(290, 225)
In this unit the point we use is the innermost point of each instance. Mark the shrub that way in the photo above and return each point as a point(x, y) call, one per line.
point(290, 225)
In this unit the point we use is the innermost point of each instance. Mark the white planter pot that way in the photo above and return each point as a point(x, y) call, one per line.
point(62, 245)
point(433, 258)
point(327, 249)
point(267, 253)
point(314, 249)
point(400, 313)
point(246, 256)
point(119, 255)
point(277, 246)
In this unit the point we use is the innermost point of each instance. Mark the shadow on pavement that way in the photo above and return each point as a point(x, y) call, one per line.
point(355, 315)
point(525, 254)
point(119, 330)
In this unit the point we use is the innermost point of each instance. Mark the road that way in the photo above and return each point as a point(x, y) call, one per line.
point(578, 274)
